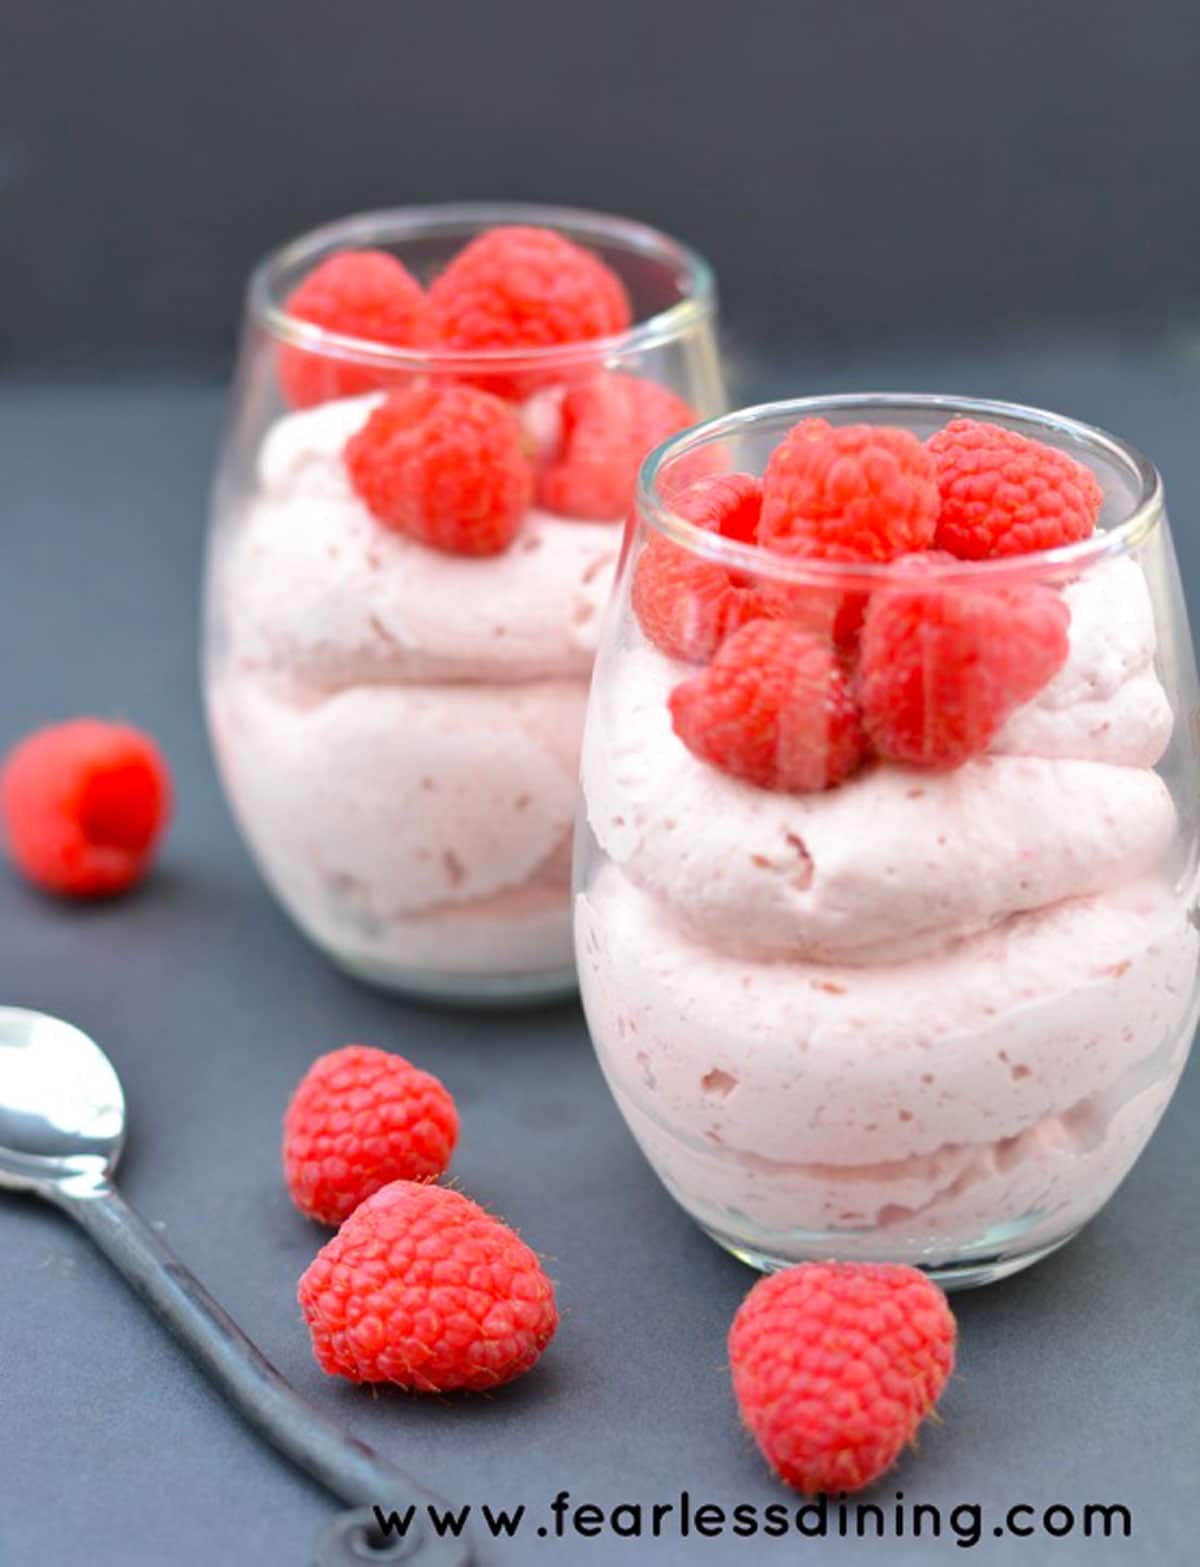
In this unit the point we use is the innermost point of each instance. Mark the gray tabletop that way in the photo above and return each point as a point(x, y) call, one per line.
point(1077, 1382)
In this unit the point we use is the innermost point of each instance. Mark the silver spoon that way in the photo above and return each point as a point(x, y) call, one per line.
point(62, 1127)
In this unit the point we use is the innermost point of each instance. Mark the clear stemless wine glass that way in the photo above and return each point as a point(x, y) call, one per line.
point(397, 727)
point(930, 1014)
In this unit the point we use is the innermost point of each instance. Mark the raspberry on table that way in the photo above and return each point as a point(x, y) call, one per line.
point(444, 465)
point(85, 804)
point(835, 1365)
point(942, 668)
point(608, 425)
point(860, 492)
point(366, 294)
point(517, 287)
point(360, 1118)
point(422, 1288)
point(1005, 494)
point(687, 605)
point(773, 708)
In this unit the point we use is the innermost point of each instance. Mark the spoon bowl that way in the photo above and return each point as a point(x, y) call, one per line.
point(62, 1112)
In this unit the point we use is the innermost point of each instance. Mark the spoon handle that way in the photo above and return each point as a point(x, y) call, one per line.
point(323, 1449)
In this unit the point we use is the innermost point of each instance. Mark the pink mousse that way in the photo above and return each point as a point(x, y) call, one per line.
point(905, 1015)
point(400, 728)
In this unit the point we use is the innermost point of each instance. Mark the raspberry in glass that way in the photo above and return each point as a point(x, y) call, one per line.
point(366, 294)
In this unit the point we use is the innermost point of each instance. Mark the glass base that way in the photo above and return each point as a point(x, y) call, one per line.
point(967, 1273)
point(461, 990)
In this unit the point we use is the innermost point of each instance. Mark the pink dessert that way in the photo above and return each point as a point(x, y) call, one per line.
point(406, 579)
point(400, 728)
point(927, 1013)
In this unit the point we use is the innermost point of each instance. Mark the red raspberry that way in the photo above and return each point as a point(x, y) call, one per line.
point(609, 423)
point(728, 503)
point(773, 708)
point(445, 465)
point(835, 1365)
point(422, 1288)
point(826, 607)
point(685, 604)
point(941, 669)
point(861, 492)
point(1004, 494)
point(357, 293)
point(359, 1119)
point(516, 287)
point(85, 804)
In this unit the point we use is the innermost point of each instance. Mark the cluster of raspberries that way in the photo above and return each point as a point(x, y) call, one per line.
point(419, 1287)
point(455, 459)
point(834, 1364)
point(809, 674)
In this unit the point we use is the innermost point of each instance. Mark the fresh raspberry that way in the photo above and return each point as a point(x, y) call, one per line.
point(85, 804)
point(728, 503)
point(359, 1119)
point(446, 466)
point(517, 287)
point(357, 293)
point(422, 1288)
point(827, 607)
point(1004, 494)
point(835, 1365)
point(941, 669)
point(608, 424)
point(773, 708)
point(860, 492)
point(685, 604)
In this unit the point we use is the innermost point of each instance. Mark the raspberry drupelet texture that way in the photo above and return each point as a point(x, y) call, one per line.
point(687, 605)
point(519, 287)
point(422, 1288)
point(828, 606)
point(860, 492)
point(942, 668)
point(773, 708)
point(366, 294)
point(729, 504)
point(835, 1365)
point(608, 424)
point(446, 466)
point(1005, 494)
point(359, 1119)
point(85, 804)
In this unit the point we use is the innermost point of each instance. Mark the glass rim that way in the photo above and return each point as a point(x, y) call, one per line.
point(756, 560)
point(395, 224)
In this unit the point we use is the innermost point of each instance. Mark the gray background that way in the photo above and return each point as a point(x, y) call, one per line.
point(848, 165)
point(925, 195)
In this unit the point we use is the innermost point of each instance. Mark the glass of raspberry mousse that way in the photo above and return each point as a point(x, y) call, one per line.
point(886, 870)
point(436, 426)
